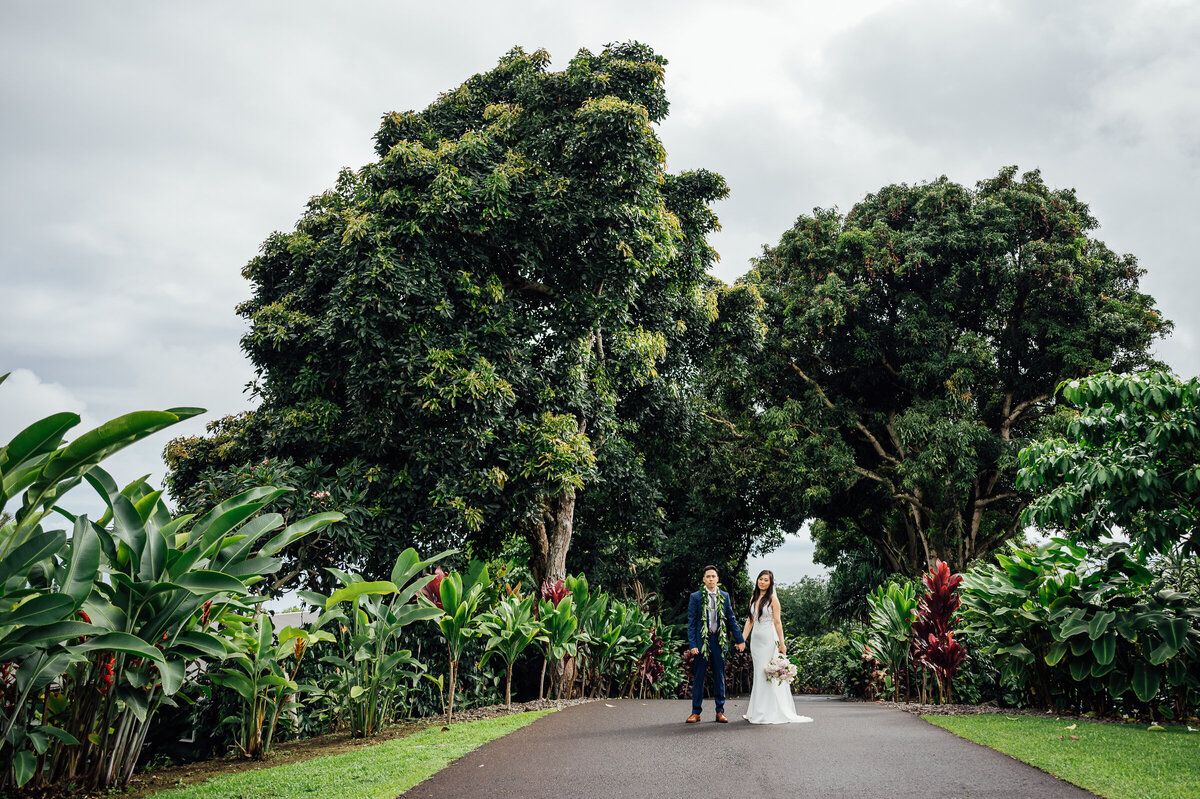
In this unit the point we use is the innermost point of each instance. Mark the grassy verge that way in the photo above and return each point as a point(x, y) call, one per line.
point(1116, 761)
point(374, 772)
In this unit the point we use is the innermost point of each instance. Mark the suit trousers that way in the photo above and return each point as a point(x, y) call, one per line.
point(700, 665)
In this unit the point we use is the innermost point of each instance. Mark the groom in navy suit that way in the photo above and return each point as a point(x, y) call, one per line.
point(710, 620)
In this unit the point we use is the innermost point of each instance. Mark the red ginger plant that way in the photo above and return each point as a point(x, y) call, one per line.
point(934, 647)
point(432, 589)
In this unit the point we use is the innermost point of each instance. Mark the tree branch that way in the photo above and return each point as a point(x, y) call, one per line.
point(725, 422)
point(861, 427)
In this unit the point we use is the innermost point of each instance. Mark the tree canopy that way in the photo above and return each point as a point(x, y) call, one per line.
point(1128, 465)
point(915, 345)
point(473, 327)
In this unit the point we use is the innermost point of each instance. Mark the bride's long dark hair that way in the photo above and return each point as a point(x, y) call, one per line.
point(761, 598)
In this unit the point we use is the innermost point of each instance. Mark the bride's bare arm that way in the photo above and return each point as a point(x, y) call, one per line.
point(749, 623)
point(778, 623)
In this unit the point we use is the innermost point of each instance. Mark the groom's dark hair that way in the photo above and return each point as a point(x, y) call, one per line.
point(707, 569)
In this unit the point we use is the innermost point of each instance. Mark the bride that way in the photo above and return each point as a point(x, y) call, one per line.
point(770, 702)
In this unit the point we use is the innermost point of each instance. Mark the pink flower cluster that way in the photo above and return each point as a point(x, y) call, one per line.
point(781, 670)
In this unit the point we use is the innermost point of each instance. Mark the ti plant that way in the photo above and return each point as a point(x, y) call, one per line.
point(510, 627)
point(456, 612)
point(258, 674)
point(372, 670)
point(934, 647)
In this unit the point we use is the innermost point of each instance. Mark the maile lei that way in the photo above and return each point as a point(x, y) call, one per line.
point(722, 631)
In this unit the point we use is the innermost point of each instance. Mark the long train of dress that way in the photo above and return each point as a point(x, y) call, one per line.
point(770, 702)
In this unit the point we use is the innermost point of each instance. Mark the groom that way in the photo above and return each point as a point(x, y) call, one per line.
point(710, 620)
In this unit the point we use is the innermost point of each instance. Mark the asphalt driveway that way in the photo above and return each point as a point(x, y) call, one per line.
point(633, 748)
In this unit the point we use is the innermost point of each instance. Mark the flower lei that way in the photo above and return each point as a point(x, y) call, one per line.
point(722, 632)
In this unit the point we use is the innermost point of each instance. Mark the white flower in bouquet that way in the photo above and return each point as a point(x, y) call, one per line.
point(781, 670)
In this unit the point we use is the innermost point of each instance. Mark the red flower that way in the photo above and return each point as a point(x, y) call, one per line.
point(432, 589)
point(554, 592)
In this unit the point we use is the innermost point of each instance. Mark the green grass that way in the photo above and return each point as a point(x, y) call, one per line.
point(1116, 761)
point(374, 772)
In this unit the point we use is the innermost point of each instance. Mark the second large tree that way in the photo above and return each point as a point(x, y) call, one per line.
point(915, 347)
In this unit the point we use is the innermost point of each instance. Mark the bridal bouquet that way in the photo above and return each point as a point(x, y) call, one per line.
point(781, 670)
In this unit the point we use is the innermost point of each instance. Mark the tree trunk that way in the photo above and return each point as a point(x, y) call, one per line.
point(550, 538)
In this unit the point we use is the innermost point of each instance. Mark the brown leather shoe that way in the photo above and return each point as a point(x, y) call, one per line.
point(692, 719)
point(721, 719)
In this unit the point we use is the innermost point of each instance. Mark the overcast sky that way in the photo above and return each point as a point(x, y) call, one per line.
point(148, 148)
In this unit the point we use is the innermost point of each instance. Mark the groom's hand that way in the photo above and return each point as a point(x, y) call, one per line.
point(695, 651)
point(740, 647)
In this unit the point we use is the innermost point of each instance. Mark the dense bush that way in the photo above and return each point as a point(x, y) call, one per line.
point(1073, 631)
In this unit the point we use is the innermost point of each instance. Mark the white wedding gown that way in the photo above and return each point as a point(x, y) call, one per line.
point(770, 702)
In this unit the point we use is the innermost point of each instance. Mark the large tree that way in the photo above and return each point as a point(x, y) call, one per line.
point(915, 347)
point(457, 324)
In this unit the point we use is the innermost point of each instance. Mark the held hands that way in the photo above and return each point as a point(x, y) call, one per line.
point(740, 647)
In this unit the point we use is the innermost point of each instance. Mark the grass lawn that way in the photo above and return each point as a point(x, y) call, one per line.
point(1116, 761)
point(373, 772)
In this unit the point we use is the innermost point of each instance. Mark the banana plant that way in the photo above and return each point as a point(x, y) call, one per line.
point(893, 608)
point(37, 462)
point(460, 605)
point(160, 586)
point(557, 635)
point(372, 669)
point(510, 627)
point(256, 673)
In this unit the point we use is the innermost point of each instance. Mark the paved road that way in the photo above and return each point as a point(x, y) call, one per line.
point(632, 748)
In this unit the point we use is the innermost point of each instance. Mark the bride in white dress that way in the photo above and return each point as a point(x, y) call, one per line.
point(770, 702)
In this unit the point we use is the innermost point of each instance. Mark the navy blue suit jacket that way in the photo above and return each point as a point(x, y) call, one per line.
point(698, 619)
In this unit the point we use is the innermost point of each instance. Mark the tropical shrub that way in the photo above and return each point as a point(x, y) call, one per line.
point(257, 673)
point(1086, 633)
point(934, 649)
point(888, 637)
point(821, 662)
point(458, 601)
point(371, 670)
point(509, 627)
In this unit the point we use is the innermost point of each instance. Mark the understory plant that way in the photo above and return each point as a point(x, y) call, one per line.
point(934, 648)
point(457, 609)
point(888, 637)
point(372, 671)
point(259, 672)
point(509, 628)
point(1092, 633)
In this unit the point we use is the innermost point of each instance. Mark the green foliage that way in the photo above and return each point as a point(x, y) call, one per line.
point(256, 672)
point(914, 347)
point(372, 670)
point(509, 627)
point(821, 662)
point(1130, 462)
point(473, 315)
point(1092, 634)
point(804, 606)
point(889, 631)
point(459, 605)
